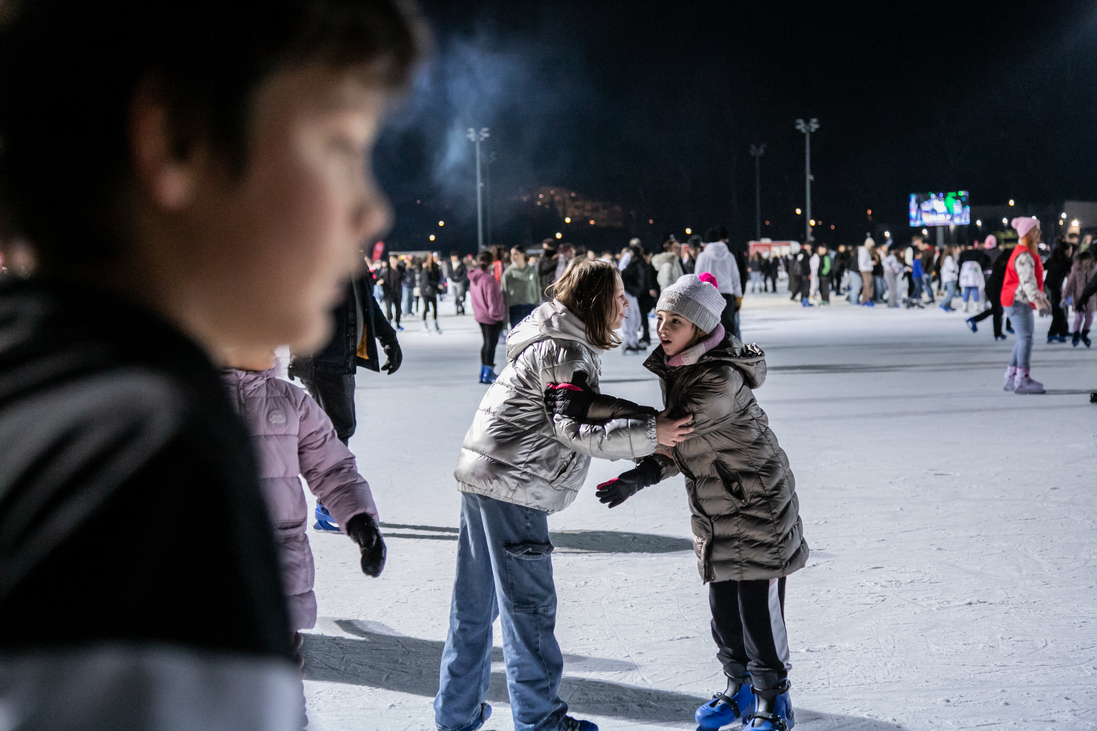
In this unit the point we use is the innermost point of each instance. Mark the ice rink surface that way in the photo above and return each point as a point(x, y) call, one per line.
point(953, 573)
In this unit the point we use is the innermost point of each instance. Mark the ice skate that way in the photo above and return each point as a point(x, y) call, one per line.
point(1023, 385)
point(731, 706)
point(426, 327)
point(437, 330)
point(1085, 338)
point(805, 302)
point(1077, 338)
point(487, 374)
point(1008, 381)
point(574, 724)
point(773, 714)
point(324, 522)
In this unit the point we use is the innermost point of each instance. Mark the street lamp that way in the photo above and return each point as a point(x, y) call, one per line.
point(478, 137)
point(807, 128)
point(756, 151)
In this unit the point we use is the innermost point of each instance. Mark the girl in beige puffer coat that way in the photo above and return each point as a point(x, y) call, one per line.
point(746, 524)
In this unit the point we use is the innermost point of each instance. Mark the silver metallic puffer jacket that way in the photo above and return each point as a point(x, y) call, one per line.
point(515, 450)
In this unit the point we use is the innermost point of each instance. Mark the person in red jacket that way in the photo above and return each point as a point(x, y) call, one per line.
point(1022, 292)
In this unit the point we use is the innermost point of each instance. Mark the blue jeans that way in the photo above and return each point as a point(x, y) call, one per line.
point(973, 292)
point(854, 287)
point(504, 569)
point(409, 298)
point(1020, 315)
point(950, 292)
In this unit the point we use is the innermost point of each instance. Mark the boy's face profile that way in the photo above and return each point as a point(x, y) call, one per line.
point(262, 255)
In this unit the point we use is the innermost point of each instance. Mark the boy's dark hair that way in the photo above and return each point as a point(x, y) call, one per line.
point(1085, 255)
point(69, 71)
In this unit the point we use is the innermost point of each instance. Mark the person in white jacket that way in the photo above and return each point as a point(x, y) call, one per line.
point(950, 276)
point(893, 268)
point(718, 261)
point(864, 266)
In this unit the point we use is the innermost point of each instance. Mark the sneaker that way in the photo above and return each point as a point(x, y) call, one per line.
point(1025, 385)
point(574, 724)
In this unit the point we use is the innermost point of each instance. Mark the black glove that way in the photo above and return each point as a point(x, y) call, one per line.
point(627, 484)
point(395, 356)
point(570, 399)
point(363, 530)
point(300, 367)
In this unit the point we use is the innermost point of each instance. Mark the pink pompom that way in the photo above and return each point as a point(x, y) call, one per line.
point(706, 277)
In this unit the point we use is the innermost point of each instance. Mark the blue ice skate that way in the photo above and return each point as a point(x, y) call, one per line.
point(324, 522)
point(774, 714)
point(733, 705)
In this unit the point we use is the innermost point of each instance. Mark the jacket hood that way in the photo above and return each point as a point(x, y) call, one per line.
point(718, 249)
point(248, 382)
point(549, 321)
point(747, 359)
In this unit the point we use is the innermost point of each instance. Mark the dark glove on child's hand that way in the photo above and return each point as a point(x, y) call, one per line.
point(395, 357)
point(570, 399)
point(627, 484)
point(364, 531)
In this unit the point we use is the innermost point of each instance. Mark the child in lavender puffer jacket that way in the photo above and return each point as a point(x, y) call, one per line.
point(294, 437)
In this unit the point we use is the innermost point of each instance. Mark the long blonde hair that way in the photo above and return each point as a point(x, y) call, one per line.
point(589, 290)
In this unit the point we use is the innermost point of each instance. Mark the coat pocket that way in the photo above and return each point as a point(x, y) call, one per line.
point(732, 484)
point(568, 463)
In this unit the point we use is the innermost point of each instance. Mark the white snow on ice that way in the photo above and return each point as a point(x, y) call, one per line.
point(952, 577)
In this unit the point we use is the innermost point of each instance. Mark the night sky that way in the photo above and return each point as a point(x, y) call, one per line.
point(654, 105)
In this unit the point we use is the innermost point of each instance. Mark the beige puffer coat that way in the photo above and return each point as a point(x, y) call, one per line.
point(515, 450)
point(746, 519)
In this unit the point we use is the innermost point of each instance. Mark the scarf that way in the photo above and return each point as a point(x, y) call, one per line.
point(689, 356)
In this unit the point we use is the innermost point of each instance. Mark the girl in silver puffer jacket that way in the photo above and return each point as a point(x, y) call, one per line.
point(521, 461)
point(746, 523)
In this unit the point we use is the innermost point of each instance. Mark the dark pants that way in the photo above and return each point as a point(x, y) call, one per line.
point(491, 339)
point(335, 394)
point(647, 304)
point(392, 309)
point(824, 287)
point(996, 311)
point(1059, 325)
point(793, 286)
point(748, 625)
point(429, 302)
point(727, 317)
point(803, 289)
point(772, 280)
point(517, 313)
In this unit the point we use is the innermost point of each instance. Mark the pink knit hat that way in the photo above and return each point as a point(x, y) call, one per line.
point(991, 242)
point(1024, 224)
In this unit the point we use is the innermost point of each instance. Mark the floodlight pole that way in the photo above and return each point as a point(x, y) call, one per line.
point(807, 128)
point(756, 152)
point(478, 137)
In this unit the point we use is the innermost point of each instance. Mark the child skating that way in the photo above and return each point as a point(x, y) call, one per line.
point(746, 525)
point(521, 461)
point(292, 437)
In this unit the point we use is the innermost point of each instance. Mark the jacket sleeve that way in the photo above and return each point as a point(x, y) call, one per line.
point(1026, 274)
point(1089, 291)
point(712, 400)
point(329, 467)
point(631, 437)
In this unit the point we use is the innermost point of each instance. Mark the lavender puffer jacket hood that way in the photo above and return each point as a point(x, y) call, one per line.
point(293, 437)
